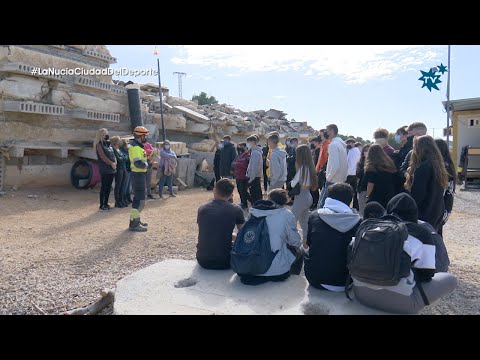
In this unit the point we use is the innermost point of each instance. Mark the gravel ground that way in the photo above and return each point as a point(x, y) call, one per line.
point(58, 251)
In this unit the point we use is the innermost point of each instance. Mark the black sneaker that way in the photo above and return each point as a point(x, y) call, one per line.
point(104, 208)
point(151, 197)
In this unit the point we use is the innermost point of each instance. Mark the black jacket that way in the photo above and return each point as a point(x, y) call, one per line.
point(227, 156)
point(400, 157)
point(291, 158)
point(110, 154)
point(216, 161)
point(428, 194)
point(326, 262)
point(403, 207)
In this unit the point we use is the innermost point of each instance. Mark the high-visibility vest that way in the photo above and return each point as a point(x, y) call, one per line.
point(136, 152)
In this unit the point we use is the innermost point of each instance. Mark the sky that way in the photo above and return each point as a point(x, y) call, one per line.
point(357, 87)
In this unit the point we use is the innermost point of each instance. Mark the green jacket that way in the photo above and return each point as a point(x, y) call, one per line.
point(121, 159)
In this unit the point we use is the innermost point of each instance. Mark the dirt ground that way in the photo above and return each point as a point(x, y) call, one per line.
point(58, 251)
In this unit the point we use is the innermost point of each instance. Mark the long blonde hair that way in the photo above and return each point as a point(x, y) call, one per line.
point(424, 148)
point(304, 161)
point(98, 137)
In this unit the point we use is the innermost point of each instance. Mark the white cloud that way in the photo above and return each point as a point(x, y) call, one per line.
point(233, 75)
point(353, 63)
point(279, 97)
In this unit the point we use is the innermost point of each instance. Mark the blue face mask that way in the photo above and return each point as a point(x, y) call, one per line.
point(226, 142)
point(398, 138)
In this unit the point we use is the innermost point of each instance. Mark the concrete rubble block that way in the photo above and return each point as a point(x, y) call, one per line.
point(191, 168)
point(193, 115)
point(181, 184)
point(182, 167)
point(183, 287)
point(25, 88)
point(172, 121)
point(199, 156)
point(232, 130)
point(73, 100)
point(196, 127)
point(18, 54)
point(202, 177)
point(205, 145)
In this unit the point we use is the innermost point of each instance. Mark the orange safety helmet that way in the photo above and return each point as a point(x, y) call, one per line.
point(140, 130)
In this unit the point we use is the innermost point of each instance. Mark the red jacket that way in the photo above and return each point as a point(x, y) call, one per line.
point(240, 165)
point(323, 157)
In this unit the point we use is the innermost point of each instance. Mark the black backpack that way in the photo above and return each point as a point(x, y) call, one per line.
point(377, 255)
point(251, 253)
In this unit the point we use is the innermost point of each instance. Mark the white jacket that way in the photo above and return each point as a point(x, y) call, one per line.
point(353, 157)
point(337, 161)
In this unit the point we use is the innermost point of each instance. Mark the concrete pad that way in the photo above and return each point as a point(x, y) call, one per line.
point(182, 287)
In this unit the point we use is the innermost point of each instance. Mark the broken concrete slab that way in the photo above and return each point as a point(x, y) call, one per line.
point(195, 116)
point(206, 145)
point(182, 287)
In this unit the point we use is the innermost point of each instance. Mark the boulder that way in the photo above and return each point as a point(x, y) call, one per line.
point(183, 287)
point(205, 145)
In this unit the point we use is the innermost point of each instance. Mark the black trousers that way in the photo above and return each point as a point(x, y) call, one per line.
point(255, 189)
point(214, 265)
point(242, 187)
point(316, 197)
point(120, 180)
point(217, 173)
point(139, 184)
point(353, 181)
point(257, 280)
point(107, 180)
point(265, 178)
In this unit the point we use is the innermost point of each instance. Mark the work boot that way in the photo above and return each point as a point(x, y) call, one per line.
point(172, 195)
point(125, 203)
point(143, 224)
point(135, 225)
point(118, 204)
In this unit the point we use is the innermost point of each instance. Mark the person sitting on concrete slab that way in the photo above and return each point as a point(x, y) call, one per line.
point(284, 238)
point(422, 286)
point(216, 221)
point(330, 231)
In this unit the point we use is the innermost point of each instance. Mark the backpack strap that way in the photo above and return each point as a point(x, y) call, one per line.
point(348, 286)
point(420, 287)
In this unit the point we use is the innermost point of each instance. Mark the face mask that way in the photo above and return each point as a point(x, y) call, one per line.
point(398, 138)
point(325, 135)
point(349, 146)
point(249, 146)
point(220, 146)
point(240, 150)
point(107, 137)
point(167, 147)
point(294, 145)
point(287, 143)
point(226, 142)
point(144, 140)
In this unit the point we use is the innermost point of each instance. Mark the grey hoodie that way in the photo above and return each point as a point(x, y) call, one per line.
point(338, 215)
point(278, 165)
point(255, 165)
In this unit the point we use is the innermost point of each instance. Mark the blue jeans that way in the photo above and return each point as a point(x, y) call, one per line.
point(127, 189)
point(162, 184)
point(323, 195)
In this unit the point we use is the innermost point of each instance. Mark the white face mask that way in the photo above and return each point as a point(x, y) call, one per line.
point(249, 146)
point(398, 138)
point(167, 147)
point(220, 146)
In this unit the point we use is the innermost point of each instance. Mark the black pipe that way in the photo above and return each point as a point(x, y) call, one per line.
point(134, 108)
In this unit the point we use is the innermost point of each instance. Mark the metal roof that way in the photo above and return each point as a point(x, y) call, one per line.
point(464, 104)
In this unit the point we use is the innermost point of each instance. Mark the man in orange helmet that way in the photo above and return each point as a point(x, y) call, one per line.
point(138, 165)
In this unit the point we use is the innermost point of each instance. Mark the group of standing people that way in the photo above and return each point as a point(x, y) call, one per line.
point(130, 165)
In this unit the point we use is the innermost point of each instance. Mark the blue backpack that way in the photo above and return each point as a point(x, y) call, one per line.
point(251, 253)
